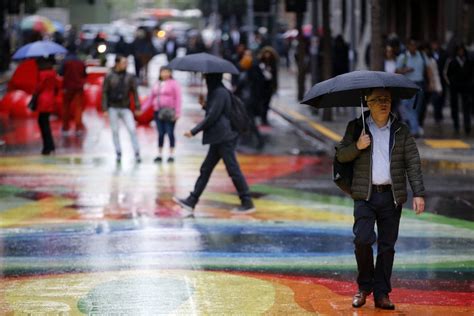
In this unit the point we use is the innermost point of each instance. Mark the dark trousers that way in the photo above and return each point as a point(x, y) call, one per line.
point(226, 151)
point(265, 105)
point(46, 135)
point(73, 105)
point(381, 209)
point(164, 128)
point(466, 109)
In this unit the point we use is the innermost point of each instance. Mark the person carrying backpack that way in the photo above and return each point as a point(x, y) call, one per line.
point(383, 156)
point(221, 132)
point(412, 65)
point(118, 85)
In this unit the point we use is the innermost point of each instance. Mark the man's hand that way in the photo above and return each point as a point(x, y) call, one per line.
point(188, 134)
point(202, 100)
point(138, 112)
point(364, 141)
point(418, 205)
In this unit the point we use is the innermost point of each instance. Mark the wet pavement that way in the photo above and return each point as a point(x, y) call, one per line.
point(80, 235)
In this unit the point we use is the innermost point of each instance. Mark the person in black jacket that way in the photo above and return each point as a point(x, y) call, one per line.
point(222, 138)
point(459, 76)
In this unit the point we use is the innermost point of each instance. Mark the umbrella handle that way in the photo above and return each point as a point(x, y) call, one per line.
point(362, 114)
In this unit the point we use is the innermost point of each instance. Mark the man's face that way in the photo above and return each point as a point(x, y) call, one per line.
point(379, 103)
point(122, 65)
point(412, 47)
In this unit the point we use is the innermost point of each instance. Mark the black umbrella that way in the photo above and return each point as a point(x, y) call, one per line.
point(203, 62)
point(350, 88)
point(347, 89)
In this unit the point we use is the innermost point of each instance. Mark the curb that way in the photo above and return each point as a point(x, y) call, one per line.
point(308, 130)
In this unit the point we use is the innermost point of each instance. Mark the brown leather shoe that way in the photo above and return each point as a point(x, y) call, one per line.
point(359, 299)
point(384, 302)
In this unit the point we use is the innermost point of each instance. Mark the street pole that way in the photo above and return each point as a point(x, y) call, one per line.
point(314, 48)
point(274, 17)
point(352, 61)
point(250, 19)
point(301, 55)
point(215, 24)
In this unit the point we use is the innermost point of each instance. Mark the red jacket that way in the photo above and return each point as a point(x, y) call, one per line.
point(47, 89)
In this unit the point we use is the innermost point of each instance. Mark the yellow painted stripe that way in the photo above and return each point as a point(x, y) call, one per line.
point(447, 143)
point(326, 131)
point(318, 127)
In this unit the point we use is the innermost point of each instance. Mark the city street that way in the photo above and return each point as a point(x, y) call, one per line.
point(80, 234)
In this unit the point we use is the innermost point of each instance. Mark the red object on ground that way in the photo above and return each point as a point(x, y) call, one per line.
point(147, 111)
point(93, 96)
point(15, 104)
point(25, 77)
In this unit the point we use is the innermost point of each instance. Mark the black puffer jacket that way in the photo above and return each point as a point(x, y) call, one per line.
point(404, 161)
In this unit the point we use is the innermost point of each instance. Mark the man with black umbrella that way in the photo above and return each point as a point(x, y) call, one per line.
point(383, 156)
point(222, 138)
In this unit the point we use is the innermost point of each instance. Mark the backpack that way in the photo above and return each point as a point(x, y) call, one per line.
point(238, 116)
point(342, 173)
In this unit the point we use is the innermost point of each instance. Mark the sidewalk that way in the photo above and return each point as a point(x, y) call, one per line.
point(440, 149)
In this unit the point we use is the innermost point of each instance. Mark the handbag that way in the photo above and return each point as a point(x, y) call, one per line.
point(33, 104)
point(167, 114)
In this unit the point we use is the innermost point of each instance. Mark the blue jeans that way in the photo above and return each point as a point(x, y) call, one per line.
point(410, 113)
point(116, 114)
point(164, 128)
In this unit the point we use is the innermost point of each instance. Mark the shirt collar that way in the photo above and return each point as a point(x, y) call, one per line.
point(371, 121)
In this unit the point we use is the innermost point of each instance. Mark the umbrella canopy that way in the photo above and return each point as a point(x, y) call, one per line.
point(203, 62)
point(37, 23)
point(39, 49)
point(348, 89)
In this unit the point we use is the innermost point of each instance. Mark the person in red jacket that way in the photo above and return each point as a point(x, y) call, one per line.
point(74, 72)
point(46, 91)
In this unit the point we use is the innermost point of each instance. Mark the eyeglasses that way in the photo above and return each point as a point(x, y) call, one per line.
point(380, 100)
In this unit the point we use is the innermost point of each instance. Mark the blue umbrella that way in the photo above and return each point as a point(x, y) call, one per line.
point(39, 49)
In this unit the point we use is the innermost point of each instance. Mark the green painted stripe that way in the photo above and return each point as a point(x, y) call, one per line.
point(299, 195)
point(302, 195)
point(461, 273)
point(8, 190)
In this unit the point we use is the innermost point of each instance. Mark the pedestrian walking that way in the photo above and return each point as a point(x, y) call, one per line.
point(117, 87)
point(143, 52)
point(340, 56)
point(45, 95)
point(440, 55)
point(390, 62)
point(74, 73)
point(249, 88)
point(268, 63)
point(434, 88)
point(382, 156)
point(171, 47)
point(222, 138)
point(459, 74)
point(411, 64)
point(166, 100)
